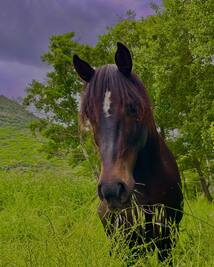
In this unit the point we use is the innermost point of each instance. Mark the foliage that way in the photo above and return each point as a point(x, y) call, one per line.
point(58, 97)
point(12, 113)
point(48, 215)
point(172, 53)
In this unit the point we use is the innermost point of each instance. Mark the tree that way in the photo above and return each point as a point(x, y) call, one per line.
point(173, 54)
point(58, 98)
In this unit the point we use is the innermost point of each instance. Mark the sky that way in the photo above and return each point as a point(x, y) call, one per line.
point(26, 25)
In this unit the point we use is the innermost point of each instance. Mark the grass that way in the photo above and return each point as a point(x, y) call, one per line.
point(48, 215)
point(12, 113)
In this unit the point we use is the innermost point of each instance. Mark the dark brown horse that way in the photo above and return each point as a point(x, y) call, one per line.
point(135, 161)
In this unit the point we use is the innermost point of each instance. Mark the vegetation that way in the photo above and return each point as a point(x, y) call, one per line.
point(12, 113)
point(173, 54)
point(48, 214)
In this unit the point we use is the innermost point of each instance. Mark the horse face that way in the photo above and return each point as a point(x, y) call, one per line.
point(117, 130)
point(117, 137)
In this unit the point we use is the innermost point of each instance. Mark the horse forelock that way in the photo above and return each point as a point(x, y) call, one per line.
point(111, 89)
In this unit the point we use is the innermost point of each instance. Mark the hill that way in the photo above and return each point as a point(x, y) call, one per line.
point(48, 215)
point(48, 210)
point(13, 114)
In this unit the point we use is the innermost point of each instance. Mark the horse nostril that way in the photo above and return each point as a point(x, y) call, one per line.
point(123, 192)
point(112, 191)
point(120, 189)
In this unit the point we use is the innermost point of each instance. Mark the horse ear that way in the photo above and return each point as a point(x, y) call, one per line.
point(84, 70)
point(123, 59)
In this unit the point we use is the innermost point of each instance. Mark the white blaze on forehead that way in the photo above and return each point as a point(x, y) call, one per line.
point(107, 103)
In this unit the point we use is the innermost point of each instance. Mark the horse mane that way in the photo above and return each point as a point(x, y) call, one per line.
point(125, 91)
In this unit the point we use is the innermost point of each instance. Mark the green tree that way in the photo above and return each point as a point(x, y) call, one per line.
point(58, 98)
point(173, 54)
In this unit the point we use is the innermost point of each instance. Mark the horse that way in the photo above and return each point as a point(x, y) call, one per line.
point(135, 160)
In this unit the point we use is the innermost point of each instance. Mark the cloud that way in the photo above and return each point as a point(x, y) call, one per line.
point(16, 76)
point(26, 25)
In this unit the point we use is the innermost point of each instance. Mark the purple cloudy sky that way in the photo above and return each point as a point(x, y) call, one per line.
point(25, 26)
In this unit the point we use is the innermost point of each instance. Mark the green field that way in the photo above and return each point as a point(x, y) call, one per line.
point(48, 214)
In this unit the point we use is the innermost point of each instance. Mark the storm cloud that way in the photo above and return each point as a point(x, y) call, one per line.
point(26, 25)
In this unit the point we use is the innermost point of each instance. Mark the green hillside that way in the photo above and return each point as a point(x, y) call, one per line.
point(13, 114)
point(48, 211)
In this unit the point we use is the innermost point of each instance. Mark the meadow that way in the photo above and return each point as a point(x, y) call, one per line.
point(48, 214)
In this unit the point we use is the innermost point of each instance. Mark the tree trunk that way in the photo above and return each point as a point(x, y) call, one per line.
point(202, 179)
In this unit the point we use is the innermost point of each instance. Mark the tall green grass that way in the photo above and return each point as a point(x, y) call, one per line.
point(48, 217)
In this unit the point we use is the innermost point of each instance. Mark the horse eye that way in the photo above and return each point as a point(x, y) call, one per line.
point(131, 110)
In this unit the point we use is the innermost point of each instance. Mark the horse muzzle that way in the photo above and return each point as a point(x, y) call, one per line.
point(116, 194)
